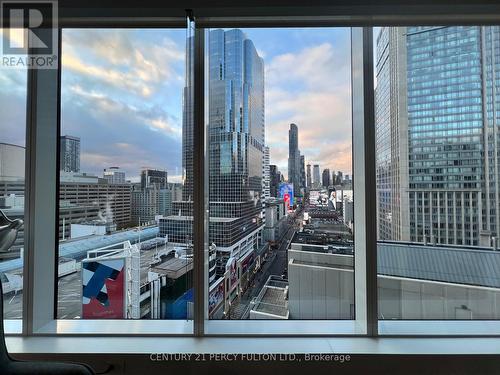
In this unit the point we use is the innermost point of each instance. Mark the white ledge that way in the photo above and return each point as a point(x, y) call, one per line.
point(251, 345)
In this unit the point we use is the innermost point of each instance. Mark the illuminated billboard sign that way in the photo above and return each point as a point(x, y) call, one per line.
point(286, 192)
point(103, 294)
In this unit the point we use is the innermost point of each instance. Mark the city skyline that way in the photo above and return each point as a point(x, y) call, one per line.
point(137, 99)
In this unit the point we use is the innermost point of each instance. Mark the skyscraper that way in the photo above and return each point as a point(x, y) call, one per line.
point(339, 179)
point(302, 172)
point(236, 148)
point(391, 134)
point(326, 178)
point(236, 142)
point(275, 179)
point(70, 154)
point(316, 176)
point(114, 175)
point(451, 136)
point(266, 174)
point(294, 158)
point(154, 177)
point(309, 177)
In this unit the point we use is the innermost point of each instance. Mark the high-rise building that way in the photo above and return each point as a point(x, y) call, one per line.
point(339, 179)
point(326, 178)
point(149, 203)
point(70, 154)
point(294, 176)
point(309, 177)
point(114, 175)
point(391, 134)
point(236, 142)
point(266, 174)
point(436, 98)
point(302, 172)
point(236, 149)
point(154, 177)
point(316, 176)
point(275, 179)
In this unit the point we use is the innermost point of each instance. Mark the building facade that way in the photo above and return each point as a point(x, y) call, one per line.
point(114, 175)
point(236, 150)
point(308, 176)
point(266, 182)
point(451, 138)
point(112, 200)
point(70, 154)
point(294, 159)
point(316, 176)
point(154, 178)
point(326, 178)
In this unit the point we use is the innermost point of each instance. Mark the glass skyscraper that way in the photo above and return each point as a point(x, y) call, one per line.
point(236, 142)
point(236, 136)
point(452, 133)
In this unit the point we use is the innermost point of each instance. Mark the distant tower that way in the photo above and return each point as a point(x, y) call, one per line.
point(70, 154)
point(309, 181)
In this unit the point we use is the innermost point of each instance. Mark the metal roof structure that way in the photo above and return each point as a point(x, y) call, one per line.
point(450, 264)
point(77, 248)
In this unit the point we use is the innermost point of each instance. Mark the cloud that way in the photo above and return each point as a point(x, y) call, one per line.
point(311, 87)
point(122, 95)
point(138, 63)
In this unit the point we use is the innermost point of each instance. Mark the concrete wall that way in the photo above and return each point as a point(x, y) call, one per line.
point(322, 287)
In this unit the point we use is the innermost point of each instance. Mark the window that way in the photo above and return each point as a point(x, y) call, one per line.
point(13, 94)
point(124, 178)
point(433, 264)
point(280, 190)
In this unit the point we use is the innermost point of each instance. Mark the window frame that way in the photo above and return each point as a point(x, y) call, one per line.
point(39, 303)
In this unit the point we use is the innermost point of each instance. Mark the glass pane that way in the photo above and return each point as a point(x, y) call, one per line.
point(13, 94)
point(280, 167)
point(437, 116)
point(122, 174)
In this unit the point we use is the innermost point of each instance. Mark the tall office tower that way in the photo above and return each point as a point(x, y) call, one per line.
point(236, 149)
point(266, 174)
point(391, 134)
point(309, 180)
point(452, 136)
point(236, 143)
point(302, 172)
point(70, 154)
point(275, 179)
point(154, 177)
point(339, 179)
point(326, 178)
point(294, 158)
point(316, 176)
point(114, 175)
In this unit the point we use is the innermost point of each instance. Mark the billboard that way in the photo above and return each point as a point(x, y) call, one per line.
point(286, 192)
point(233, 272)
point(216, 296)
point(103, 293)
point(332, 199)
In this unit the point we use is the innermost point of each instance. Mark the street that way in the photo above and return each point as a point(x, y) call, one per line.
point(275, 265)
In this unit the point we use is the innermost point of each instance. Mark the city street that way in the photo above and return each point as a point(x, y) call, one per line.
point(275, 265)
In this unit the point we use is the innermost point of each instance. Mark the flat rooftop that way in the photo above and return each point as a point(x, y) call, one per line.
point(272, 299)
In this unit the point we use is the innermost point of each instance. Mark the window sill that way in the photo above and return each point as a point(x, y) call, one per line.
point(250, 345)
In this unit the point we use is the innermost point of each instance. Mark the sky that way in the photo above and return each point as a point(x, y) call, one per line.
point(122, 95)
